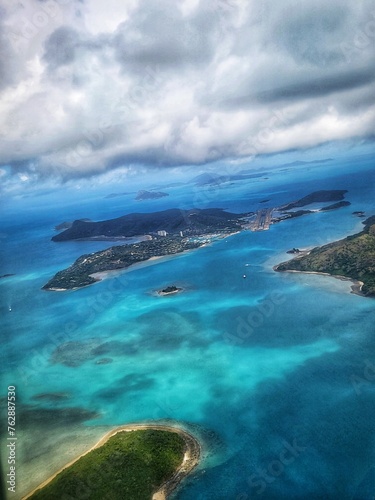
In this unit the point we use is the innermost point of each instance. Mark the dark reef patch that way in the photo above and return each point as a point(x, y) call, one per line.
point(32, 415)
point(130, 383)
point(53, 397)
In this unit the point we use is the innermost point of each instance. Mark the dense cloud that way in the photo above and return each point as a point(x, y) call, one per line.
point(90, 86)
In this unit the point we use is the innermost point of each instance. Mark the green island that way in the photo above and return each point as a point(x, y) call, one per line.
point(167, 232)
point(134, 464)
point(169, 290)
point(352, 258)
point(79, 274)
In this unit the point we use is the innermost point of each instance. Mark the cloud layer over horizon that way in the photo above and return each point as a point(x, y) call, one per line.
point(87, 86)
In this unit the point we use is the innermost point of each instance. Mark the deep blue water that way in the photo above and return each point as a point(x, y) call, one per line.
point(275, 372)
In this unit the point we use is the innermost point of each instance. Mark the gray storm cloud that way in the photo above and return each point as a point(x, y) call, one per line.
point(85, 88)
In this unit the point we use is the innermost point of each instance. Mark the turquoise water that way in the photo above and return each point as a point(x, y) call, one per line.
point(275, 372)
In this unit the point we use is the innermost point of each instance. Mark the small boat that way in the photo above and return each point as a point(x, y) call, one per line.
point(244, 276)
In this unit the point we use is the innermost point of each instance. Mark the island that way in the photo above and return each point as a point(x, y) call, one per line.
point(213, 179)
point(167, 232)
point(316, 196)
point(294, 250)
point(173, 221)
point(351, 258)
point(116, 195)
point(150, 195)
point(339, 204)
point(82, 272)
point(267, 216)
point(170, 290)
point(359, 213)
point(136, 462)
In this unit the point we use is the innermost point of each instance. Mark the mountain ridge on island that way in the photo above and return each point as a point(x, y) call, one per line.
point(317, 196)
point(193, 221)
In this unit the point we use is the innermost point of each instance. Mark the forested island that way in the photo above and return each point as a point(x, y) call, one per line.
point(352, 257)
point(170, 290)
point(316, 196)
point(192, 222)
point(131, 463)
point(80, 273)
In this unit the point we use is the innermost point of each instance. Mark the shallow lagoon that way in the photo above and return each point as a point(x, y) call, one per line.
point(255, 366)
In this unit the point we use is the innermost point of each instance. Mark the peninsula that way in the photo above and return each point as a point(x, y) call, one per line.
point(352, 258)
point(136, 462)
point(81, 272)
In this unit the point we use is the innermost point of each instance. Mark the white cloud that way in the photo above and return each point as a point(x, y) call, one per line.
point(90, 86)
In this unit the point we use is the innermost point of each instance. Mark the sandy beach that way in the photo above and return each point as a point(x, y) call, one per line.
point(101, 275)
point(190, 461)
point(356, 287)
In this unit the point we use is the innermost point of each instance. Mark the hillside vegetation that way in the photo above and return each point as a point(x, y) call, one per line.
point(130, 465)
point(353, 257)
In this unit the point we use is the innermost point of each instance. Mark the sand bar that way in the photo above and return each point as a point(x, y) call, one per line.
point(356, 287)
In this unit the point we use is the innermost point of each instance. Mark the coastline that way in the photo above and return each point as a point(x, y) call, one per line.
point(105, 274)
point(356, 287)
point(102, 275)
point(190, 461)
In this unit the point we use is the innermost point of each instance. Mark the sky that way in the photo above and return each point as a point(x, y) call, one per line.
point(91, 88)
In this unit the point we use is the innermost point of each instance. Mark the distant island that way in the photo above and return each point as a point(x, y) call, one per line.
point(116, 195)
point(211, 178)
point(170, 290)
point(133, 462)
point(351, 258)
point(316, 196)
point(192, 222)
point(150, 195)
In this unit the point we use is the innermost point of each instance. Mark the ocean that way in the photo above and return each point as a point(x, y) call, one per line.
point(275, 373)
